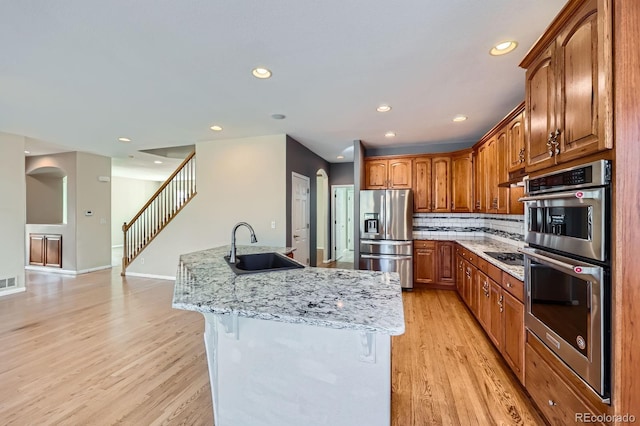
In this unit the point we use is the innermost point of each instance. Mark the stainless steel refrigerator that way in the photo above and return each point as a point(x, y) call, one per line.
point(386, 232)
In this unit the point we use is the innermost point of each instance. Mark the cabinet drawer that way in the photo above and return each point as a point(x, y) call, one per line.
point(483, 265)
point(418, 244)
point(494, 272)
point(513, 286)
point(554, 397)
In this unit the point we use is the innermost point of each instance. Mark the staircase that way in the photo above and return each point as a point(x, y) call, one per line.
point(161, 208)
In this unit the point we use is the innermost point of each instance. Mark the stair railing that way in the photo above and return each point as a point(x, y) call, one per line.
point(162, 207)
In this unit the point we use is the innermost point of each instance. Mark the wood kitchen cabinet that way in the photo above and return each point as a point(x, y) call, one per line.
point(502, 172)
point(513, 337)
point(432, 184)
point(515, 141)
point(424, 262)
point(568, 87)
point(396, 173)
point(462, 182)
point(446, 263)
point(45, 250)
point(480, 174)
point(496, 326)
point(434, 263)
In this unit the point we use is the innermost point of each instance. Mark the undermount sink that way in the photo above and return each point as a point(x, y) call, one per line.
point(262, 262)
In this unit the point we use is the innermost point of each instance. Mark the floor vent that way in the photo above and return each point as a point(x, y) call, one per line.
point(7, 282)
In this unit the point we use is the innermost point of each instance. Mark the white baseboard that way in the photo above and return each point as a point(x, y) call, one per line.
point(117, 246)
point(12, 291)
point(159, 277)
point(64, 271)
point(327, 261)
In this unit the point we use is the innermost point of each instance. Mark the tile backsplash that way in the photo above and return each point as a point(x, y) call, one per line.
point(510, 227)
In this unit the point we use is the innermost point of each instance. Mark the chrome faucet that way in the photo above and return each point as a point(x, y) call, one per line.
point(232, 254)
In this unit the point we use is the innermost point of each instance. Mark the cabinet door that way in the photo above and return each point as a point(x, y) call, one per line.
point(424, 261)
point(582, 93)
point(513, 341)
point(495, 329)
point(53, 251)
point(484, 303)
point(36, 249)
point(441, 184)
point(502, 172)
point(462, 186)
point(480, 166)
point(491, 178)
point(540, 88)
point(515, 140)
point(422, 185)
point(375, 174)
point(460, 274)
point(446, 264)
point(400, 173)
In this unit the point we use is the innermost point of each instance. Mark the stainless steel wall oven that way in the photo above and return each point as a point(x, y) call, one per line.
point(567, 268)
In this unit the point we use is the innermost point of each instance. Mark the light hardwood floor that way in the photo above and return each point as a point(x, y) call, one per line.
point(99, 350)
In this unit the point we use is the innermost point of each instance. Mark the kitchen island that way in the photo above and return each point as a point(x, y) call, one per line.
point(305, 346)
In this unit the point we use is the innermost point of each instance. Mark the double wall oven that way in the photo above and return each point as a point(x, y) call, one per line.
point(568, 268)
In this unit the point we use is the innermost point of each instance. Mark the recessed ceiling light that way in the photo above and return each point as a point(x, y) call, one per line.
point(278, 116)
point(390, 134)
point(459, 118)
point(384, 108)
point(503, 48)
point(216, 128)
point(27, 152)
point(158, 162)
point(261, 72)
point(124, 139)
point(340, 157)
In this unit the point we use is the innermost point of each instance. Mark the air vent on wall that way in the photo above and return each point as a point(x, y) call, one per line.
point(7, 282)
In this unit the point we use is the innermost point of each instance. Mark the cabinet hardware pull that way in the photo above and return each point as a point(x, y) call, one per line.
point(552, 402)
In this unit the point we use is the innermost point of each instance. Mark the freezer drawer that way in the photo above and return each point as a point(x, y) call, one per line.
point(386, 247)
point(390, 263)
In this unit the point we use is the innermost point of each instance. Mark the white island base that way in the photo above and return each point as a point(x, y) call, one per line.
point(266, 372)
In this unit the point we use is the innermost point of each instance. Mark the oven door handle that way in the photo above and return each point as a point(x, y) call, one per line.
point(578, 271)
point(581, 195)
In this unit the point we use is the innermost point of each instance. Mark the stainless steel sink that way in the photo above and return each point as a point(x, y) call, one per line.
point(262, 262)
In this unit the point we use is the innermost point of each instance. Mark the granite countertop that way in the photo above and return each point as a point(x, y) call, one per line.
point(479, 245)
point(335, 298)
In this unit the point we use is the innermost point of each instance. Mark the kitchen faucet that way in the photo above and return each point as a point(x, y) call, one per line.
point(232, 254)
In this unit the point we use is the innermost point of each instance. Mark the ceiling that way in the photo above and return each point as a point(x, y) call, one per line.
point(79, 74)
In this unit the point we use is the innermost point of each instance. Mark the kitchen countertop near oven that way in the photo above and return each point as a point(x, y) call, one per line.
point(480, 244)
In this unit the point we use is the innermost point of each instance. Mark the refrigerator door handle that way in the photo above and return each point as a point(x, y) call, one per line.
point(385, 257)
point(386, 242)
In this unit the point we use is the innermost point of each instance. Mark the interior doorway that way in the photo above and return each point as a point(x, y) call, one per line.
point(343, 222)
point(300, 217)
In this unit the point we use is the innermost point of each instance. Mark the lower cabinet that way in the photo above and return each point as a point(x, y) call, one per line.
point(557, 394)
point(434, 263)
point(45, 250)
point(495, 298)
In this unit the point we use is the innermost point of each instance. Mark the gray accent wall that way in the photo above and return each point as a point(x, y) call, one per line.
point(340, 174)
point(432, 148)
point(303, 161)
point(358, 183)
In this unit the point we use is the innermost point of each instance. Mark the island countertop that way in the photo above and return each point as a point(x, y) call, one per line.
point(335, 298)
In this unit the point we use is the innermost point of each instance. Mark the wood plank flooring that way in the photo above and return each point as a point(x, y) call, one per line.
point(99, 350)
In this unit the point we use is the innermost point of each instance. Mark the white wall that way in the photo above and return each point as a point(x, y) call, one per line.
point(127, 198)
point(237, 180)
point(12, 207)
point(93, 236)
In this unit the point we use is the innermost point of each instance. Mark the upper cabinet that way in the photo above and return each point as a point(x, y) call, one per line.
point(515, 140)
point(395, 173)
point(432, 184)
point(462, 184)
point(568, 87)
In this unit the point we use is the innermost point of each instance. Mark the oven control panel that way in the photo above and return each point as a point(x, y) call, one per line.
point(597, 173)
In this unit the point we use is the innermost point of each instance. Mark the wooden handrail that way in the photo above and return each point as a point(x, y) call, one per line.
point(126, 226)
